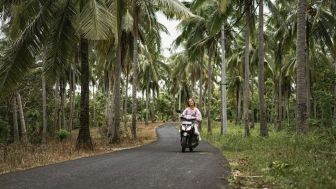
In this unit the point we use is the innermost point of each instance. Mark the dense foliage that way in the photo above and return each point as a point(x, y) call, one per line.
point(121, 41)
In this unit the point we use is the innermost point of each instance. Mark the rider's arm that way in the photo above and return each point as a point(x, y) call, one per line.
point(198, 115)
point(185, 112)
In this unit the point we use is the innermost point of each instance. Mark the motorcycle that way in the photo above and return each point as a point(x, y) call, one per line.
point(187, 131)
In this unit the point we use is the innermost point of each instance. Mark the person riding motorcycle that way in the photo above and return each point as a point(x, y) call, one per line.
point(193, 111)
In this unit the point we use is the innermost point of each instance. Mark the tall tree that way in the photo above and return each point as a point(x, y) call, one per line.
point(84, 139)
point(72, 96)
point(223, 83)
point(210, 52)
point(261, 80)
point(44, 107)
point(62, 94)
point(301, 86)
point(57, 110)
point(246, 70)
point(114, 131)
point(22, 119)
point(16, 136)
point(96, 23)
point(135, 66)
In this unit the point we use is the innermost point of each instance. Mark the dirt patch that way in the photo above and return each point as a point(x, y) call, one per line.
point(243, 179)
point(17, 157)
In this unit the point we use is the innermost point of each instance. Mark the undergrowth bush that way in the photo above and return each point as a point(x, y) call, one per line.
point(62, 134)
point(284, 159)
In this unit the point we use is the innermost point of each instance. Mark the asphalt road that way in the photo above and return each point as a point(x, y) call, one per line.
point(157, 165)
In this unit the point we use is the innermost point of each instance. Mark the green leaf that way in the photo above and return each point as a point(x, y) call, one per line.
point(96, 22)
point(19, 58)
point(174, 7)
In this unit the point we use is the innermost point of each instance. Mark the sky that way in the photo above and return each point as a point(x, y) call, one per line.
point(167, 40)
point(171, 25)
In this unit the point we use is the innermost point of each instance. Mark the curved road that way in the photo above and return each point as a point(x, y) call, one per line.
point(157, 165)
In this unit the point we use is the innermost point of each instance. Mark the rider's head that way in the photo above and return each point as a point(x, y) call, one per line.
point(191, 102)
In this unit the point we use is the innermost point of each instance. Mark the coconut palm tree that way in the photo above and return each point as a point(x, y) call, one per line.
point(246, 70)
point(139, 7)
point(19, 57)
point(135, 10)
point(261, 80)
point(301, 89)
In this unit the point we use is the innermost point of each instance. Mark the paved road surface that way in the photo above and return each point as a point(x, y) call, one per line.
point(157, 165)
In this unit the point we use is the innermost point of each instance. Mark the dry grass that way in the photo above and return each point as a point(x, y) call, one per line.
point(20, 157)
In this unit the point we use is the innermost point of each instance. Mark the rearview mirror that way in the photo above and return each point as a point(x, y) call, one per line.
point(178, 111)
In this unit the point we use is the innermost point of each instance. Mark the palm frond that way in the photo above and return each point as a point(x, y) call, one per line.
point(174, 8)
point(19, 58)
point(96, 22)
point(61, 43)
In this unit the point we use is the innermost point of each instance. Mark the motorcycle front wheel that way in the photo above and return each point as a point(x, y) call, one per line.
point(184, 143)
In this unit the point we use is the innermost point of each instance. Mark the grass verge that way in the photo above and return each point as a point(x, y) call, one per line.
point(282, 160)
point(17, 157)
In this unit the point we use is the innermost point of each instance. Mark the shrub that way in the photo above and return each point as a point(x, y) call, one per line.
point(62, 134)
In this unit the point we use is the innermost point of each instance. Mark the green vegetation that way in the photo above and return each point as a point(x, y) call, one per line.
point(62, 134)
point(283, 160)
point(253, 62)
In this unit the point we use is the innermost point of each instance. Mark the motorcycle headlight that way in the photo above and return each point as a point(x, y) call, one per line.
point(183, 128)
point(189, 128)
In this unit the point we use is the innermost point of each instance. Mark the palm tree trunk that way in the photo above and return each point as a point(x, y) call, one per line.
point(315, 108)
point(57, 108)
point(109, 113)
point(94, 105)
point(261, 76)
point(115, 135)
point(125, 102)
point(309, 96)
point(238, 103)
point(44, 106)
point(274, 106)
point(252, 108)
point(153, 107)
point(22, 119)
point(142, 103)
point(180, 98)
point(121, 50)
point(135, 67)
point(147, 103)
point(62, 85)
point(209, 91)
point(107, 95)
point(200, 97)
point(223, 83)
point(279, 109)
point(308, 70)
point(246, 72)
point(9, 106)
point(334, 94)
point(286, 102)
point(84, 139)
point(301, 87)
point(72, 97)
point(15, 121)
point(174, 108)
